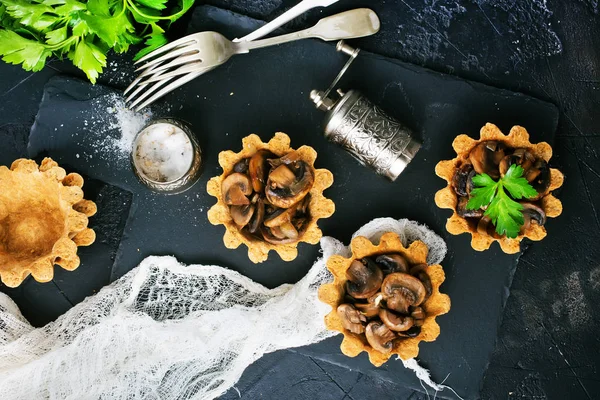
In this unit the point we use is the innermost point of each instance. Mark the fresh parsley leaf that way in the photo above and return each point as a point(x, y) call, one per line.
point(89, 58)
point(30, 14)
point(516, 184)
point(33, 30)
point(482, 196)
point(15, 49)
point(57, 36)
point(505, 213)
point(155, 4)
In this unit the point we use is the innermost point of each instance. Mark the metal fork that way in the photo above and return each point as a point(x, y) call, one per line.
point(185, 59)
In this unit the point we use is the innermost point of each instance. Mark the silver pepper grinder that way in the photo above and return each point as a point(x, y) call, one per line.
point(363, 129)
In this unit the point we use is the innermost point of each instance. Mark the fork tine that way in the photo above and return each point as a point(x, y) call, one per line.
point(170, 55)
point(184, 69)
point(171, 86)
point(187, 40)
point(184, 59)
point(148, 92)
point(139, 78)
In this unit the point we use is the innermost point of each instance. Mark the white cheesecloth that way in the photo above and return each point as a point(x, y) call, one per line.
point(169, 331)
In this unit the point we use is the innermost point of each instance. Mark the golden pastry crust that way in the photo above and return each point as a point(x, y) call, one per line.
point(333, 294)
point(320, 207)
point(447, 198)
point(43, 218)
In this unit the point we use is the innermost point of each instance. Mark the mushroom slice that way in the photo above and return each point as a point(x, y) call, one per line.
point(420, 271)
point(486, 227)
point(400, 291)
point(418, 315)
point(539, 177)
point(532, 212)
point(283, 193)
point(392, 263)
point(241, 215)
point(241, 166)
point(461, 179)
point(395, 322)
point(520, 157)
point(411, 333)
point(235, 188)
point(279, 217)
point(289, 230)
point(486, 156)
point(352, 319)
point(270, 237)
point(463, 211)
point(380, 337)
point(258, 168)
point(258, 217)
point(364, 279)
point(371, 308)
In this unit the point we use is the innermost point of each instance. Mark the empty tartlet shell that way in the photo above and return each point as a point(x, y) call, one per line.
point(320, 207)
point(447, 198)
point(43, 218)
point(333, 294)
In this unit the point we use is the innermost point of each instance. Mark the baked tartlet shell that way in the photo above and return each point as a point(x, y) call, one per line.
point(333, 294)
point(320, 207)
point(47, 202)
point(518, 137)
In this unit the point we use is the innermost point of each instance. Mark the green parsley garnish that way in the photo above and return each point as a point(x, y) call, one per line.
point(505, 213)
point(83, 31)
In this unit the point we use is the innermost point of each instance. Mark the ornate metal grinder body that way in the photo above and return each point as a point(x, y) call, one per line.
point(364, 130)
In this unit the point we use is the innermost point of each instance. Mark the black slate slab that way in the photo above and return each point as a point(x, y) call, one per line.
point(267, 91)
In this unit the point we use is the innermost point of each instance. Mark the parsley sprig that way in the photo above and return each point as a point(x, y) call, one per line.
point(505, 213)
point(31, 31)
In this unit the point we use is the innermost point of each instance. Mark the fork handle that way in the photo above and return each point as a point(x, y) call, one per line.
point(347, 25)
point(286, 17)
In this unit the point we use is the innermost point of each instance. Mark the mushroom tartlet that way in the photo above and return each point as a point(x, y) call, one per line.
point(270, 197)
point(491, 159)
point(43, 219)
point(384, 298)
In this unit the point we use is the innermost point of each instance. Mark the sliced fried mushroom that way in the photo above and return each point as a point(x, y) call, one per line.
point(520, 156)
point(371, 308)
point(364, 279)
point(541, 180)
point(352, 319)
point(235, 188)
point(412, 332)
point(418, 315)
point(392, 263)
point(463, 211)
point(258, 169)
point(486, 227)
point(396, 323)
point(241, 215)
point(380, 337)
point(258, 217)
point(289, 230)
point(283, 193)
point(281, 177)
point(463, 177)
point(241, 166)
point(420, 271)
point(486, 156)
point(532, 212)
point(269, 236)
point(400, 291)
point(280, 216)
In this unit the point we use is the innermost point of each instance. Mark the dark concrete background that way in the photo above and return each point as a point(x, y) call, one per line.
point(547, 346)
